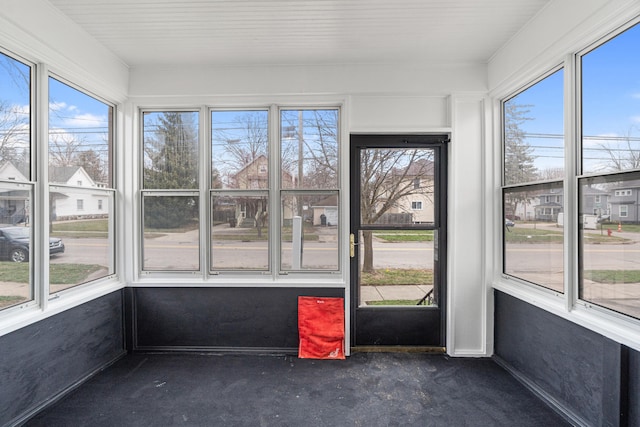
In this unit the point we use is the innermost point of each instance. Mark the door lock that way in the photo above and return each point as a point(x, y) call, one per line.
point(352, 245)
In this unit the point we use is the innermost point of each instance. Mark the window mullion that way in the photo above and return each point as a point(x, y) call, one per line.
point(41, 203)
point(204, 154)
point(572, 160)
point(275, 184)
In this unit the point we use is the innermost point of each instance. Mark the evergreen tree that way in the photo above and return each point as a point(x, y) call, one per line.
point(171, 163)
point(519, 159)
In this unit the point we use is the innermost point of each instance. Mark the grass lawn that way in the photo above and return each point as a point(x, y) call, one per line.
point(405, 235)
point(397, 276)
point(531, 235)
point(6, 301)
point(59, 274)
point(90, 228)
point(394, 302)
point(613, 276)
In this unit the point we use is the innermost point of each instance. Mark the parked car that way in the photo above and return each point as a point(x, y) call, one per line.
point(509, 223)
point(14, 244)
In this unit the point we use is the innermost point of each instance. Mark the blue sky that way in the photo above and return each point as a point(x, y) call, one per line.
point(610, 95)
point(610, 104)
point(72, 113)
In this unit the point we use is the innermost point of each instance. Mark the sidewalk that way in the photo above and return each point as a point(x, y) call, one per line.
point(395, 292)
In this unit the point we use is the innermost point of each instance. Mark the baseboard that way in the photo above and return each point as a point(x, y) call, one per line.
point(266, 351)
point(63, 393)
point(563, 410)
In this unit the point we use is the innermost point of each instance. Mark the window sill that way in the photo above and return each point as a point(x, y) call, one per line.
point(15, 318)
point(617, 327)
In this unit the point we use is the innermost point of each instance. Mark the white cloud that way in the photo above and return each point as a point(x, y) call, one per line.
point(598, 140)
point(85, 120)
point(57, 106)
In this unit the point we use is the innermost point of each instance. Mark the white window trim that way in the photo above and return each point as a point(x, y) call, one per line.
point(275, 278)
point(618, 327)
point(44, 305)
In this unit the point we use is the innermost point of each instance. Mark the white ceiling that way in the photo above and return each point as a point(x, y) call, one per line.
point(246, 32)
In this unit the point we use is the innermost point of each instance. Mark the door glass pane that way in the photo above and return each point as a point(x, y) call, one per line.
point(396, 267)
point(239, 232)
point(397, 187)
point(171, 233)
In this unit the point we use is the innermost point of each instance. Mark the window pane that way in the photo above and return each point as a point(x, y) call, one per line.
point(170, 150)
point(240, 232)
point(610, 232)
point(239, 149)
point(80, 134)
point(171, 240)
point(309, 149)
point(15, 121)
point(397, 186)
point(86, 251)
point(402, 267)
point(533, 236)
point(610, 114)
point(309, 238)
point(16, 285)
point(534, 132)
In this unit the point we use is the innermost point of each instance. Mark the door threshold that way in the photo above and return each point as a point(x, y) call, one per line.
point(397, 349)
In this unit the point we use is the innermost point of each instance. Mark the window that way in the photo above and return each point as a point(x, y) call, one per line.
point(240, 190)
point(533, 173)
point(273, 205)
point(16, 181)
point(80, 156)
point(624, 210)
point(99, 204)
point(170, 197)
point(417, 206)
point(309, 188)
point(609, 149)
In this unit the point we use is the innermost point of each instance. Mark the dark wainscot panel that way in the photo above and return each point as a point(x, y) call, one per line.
point(43, 360)
point(232, 319)
point(590, 378)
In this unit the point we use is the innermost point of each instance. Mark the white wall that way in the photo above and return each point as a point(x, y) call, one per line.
point(378, 99)
point(561, 27)
point(564, 28)
point(37, 31)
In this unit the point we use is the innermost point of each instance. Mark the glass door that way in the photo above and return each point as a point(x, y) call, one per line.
point(398, 239)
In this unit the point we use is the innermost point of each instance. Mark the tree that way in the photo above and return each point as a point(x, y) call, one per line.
point(519, 158)
point(623, 153)
point(14, 134)
point(64, 147)
point(387, 177)
point(171, 162)
point(92, 164)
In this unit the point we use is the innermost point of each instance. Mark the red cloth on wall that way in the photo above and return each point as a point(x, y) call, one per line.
point(321, 328)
